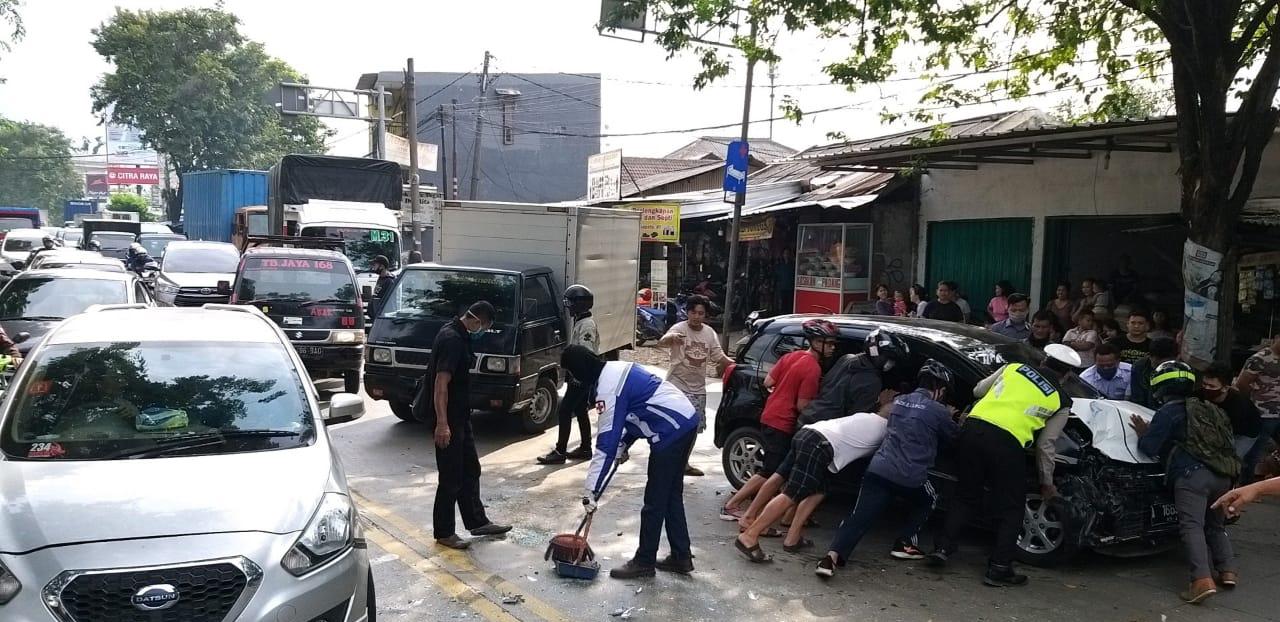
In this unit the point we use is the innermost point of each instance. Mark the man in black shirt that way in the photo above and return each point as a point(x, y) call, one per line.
point(457, 464)
point(1135, 344)
point(945, 307)
point(1162, 350)
point(1246, 421)
point(381, 267)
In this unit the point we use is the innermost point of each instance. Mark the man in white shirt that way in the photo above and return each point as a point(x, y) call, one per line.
point(1109, 375)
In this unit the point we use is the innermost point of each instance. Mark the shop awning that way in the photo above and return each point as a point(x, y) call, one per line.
point(838, 189)
point(710, 203)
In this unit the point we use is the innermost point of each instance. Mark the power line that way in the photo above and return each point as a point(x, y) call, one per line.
point(524, 79)
point(451, 83)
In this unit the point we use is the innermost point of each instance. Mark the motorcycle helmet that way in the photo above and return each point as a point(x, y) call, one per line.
point(935, 375)
point(48, 241)
point(1172, 380)
point(886, 349)
point(820, 329)
point(1060, 355)
point(578, 299)
point(94, 245)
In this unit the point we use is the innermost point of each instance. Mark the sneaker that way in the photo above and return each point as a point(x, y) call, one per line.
point(555, 457)
point(906, 550)
point(632, 570)
point(999, 575)
point(671, 563)
point(490, 530)
point(938, 558)
point(581, 453)
point(730, 514)
point(826, 568)
point(693, 471)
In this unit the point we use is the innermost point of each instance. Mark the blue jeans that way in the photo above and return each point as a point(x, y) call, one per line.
point(664, 503)
point(873, 498)
point(1251, 459)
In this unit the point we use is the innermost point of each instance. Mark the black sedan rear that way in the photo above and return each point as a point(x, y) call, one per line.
point(35, 301)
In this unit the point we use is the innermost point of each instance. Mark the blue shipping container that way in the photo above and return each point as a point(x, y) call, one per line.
point(210, 200)
point(77, 206)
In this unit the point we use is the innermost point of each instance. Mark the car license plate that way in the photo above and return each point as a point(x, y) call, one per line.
point(310, 352)
point(1163, 514)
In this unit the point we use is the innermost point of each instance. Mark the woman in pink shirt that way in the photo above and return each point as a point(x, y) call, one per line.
point(998, 308)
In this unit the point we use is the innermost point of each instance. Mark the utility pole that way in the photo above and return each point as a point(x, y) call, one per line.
point(453, 155)
point(475, 150)
point(411, 131)
point(739, 200)
point(773, 75)
point(380, 138)
point(444, 161)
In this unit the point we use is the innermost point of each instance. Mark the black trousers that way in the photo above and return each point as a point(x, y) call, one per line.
point(575, 404)
point(458, 484)
point(664, 503)
point(990, 458)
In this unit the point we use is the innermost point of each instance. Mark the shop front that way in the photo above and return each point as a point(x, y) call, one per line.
point(833, 264)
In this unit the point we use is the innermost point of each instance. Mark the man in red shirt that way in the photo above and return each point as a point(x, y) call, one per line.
point(793, 383)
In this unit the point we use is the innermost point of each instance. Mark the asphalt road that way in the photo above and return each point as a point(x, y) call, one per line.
point(390, 466)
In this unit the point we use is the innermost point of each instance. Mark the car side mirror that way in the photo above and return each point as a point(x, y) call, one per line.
point(21, 337)
point(344, 407)
point(224, 288)
point(366, 292)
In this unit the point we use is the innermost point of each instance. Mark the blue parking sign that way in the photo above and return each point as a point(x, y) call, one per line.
point(735, 167)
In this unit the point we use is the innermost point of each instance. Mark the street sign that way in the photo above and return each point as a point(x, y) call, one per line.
point(735, 167)
point(604, 176)
point(129, 176)
point(398, 152)
point(125, 146)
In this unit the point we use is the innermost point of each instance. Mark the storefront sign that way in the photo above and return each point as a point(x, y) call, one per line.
point(130, 176)
point(96, 186)
point(658, 281)
point(604, 176)
point(755, 229)
point(1202, 279)
point(659, 222)
point(819, 282)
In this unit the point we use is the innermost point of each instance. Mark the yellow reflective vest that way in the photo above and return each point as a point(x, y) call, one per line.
point(1019, 402)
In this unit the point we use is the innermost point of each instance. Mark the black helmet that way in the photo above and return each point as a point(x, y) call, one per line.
point(887, 349)
point(1172, 380)
point(578, 299)
point(935, 375)
point(820, 329)
point(48, 239)
point(94, 245)
point(380, 259)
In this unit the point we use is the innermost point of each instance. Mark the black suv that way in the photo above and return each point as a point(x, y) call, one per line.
point(1111, 499)
point(312, 295)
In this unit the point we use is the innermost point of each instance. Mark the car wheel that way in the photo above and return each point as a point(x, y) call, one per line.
point(538, 415)
point(371, 600)
point(351, 381)
point(741, 455)
point(1050, 533)
point(403, 410)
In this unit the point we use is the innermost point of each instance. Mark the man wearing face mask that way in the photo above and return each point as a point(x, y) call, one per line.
point(449, 410)
point(1109, 375)
point(1015, 325)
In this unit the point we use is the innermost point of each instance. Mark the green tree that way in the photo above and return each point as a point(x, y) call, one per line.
point(198, 90)
point(35, 168)
point(11, 28)
point(1126, 101)
point(125, 202)
point(1221, 55)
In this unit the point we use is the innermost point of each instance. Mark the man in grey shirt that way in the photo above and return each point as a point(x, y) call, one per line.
point(1016, 326)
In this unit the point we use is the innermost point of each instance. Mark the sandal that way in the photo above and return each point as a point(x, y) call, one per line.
point(803, 544)
point(753, 553)
point(772, 532)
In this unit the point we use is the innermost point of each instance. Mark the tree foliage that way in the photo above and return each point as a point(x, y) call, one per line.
point(197, 89)
point(35, 167)
point(1126, 101)
point(126, 202)
point(11, 28)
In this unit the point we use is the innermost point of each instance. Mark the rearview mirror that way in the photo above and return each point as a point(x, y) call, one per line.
point(344, 407)
point(224, 288)
point(21, 337)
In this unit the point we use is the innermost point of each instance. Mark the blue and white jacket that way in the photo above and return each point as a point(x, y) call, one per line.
point(635, 404)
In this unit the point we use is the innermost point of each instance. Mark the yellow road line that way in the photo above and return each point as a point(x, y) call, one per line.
point(457, 563)
point(450, 584)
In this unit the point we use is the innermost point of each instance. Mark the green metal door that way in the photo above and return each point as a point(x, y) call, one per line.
point(977, 254)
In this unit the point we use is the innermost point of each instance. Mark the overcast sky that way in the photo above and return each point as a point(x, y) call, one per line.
point(50, 72)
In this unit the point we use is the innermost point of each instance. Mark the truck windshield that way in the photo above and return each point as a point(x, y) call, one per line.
point(9, 223)
point(113, 241)
point(445, 294)
point(362, 244)
point(270, 278)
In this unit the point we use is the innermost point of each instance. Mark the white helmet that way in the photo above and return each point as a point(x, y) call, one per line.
point(1063, 354)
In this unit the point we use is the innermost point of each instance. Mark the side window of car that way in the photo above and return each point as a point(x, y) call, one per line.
point(538, 301)
point(784, 345)
point(140, 293)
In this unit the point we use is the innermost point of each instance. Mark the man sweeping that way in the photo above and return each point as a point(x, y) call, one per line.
point(635, 404)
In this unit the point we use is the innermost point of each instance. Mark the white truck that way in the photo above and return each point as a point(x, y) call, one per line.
point(366, 229)
point(520, 258)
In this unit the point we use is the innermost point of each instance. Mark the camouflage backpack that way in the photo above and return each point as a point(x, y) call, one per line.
point(1209, 438)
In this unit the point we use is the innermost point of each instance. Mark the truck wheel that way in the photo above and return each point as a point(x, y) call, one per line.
point(1050, 532)
point(538, 416)
point(404, 410)
point(351, 381)
point(741, 455)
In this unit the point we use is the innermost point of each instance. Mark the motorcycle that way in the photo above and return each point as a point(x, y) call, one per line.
point(651, 323)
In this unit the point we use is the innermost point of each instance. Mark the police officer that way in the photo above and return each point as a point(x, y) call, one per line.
point(855, 384)
point(1017, 406)
point(578, 300)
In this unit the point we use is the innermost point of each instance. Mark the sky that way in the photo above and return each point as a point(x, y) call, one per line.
point(49, 73)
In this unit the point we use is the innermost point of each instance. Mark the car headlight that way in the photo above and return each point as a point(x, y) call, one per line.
point(380, 355)
point(332, 530)
point(348, 336)
point(164, 288)
point(9, 585)
point(495, 364)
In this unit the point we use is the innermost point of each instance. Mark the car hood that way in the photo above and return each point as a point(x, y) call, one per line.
point(52, 503)
point(1108, 420)
point(197, 279)
point(37, 328)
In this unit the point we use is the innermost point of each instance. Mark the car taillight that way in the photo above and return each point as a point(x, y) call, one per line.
point(728, 372)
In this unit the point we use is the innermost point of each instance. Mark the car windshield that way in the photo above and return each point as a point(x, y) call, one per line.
point(155, 245)
point(19, 244)
point(9, 223)
point(218, 259)
point(93, 401)
point(71, 237)
point(113, 241)
point(57, 298)
point(361, 245)
point(445, 294)
point(991, 356)
point(272, 278)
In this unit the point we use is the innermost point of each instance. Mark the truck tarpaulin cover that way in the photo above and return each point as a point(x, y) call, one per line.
point(298, 178)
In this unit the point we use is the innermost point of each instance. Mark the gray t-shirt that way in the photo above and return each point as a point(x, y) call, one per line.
point(689, 359)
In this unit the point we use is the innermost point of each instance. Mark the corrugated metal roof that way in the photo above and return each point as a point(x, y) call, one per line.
point(1262, 211)
point(985, 125)
point(709, 203)
point(630, 187)
point(640, 168)
point(763, 149)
